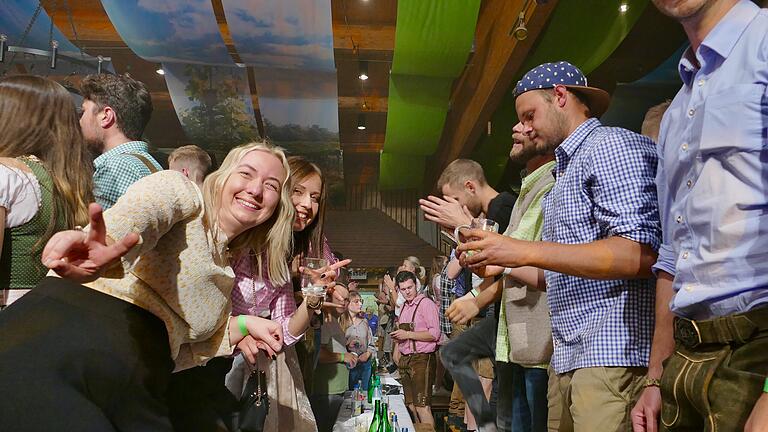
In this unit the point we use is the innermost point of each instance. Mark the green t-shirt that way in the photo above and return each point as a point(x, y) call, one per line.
point(331, 378)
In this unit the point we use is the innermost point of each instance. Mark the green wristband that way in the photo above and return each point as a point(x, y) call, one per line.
point(342, 357)
point(765, 386)
point(474, 292)
point(242, 326)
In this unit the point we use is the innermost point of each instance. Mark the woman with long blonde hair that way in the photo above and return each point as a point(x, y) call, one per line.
point(145, 290)
point(45, 177)
point(259, 295)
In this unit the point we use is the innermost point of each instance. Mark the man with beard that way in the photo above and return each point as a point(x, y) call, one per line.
point(712, 295)
point(522, 344)
point(115, 111)
point(600, 236)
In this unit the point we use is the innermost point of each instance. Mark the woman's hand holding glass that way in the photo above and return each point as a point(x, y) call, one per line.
point(317, 280)
point(83, 256)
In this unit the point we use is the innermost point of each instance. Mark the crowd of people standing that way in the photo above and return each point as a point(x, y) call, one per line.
point(621, 289)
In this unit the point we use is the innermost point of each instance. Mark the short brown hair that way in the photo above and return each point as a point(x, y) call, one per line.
point(459, 171)
point(652, 120)
point(192, 154)
point(128, 97)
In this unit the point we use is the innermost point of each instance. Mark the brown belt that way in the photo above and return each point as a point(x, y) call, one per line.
point(738, 328)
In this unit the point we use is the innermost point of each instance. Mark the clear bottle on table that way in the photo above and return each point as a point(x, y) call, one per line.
point(395, 425)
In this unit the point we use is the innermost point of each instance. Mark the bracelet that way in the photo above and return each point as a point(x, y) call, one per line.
point(342, 357)
point(474, 292)
point(314, 302)
point(242, 326)
point(652, 382)
point(765, 386)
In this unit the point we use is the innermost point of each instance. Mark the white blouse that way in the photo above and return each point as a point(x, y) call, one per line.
point(19, 194)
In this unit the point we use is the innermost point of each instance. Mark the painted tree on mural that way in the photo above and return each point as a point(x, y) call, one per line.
point(220, 120)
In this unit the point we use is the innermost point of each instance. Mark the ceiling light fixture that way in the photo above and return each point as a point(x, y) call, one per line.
point(363, 70)
point(3, 39)
point(160, 71)
point(520, 32)
point(54, 53)
point(360, 122)
point(623, 8)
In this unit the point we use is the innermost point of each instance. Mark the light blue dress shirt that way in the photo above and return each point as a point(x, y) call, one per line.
point(713, 171)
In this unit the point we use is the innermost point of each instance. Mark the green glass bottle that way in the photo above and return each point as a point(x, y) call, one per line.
point(370, 392)
point(387, 426)
point(376, 421)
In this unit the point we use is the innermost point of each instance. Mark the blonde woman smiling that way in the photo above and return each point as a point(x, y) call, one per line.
point(155, 296)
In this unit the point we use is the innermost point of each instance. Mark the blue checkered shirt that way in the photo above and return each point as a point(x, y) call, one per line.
point(114, 171)
point(604, 187)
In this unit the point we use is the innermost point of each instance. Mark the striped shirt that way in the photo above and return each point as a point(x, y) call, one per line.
point(604, 187)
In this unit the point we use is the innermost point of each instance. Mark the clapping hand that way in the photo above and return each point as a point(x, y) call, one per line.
point(446, 211)
point(82, 256)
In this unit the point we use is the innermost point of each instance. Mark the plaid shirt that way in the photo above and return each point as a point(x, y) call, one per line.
point(604, 187)
point(253, 295)
point(114, 171)
point(446, 294)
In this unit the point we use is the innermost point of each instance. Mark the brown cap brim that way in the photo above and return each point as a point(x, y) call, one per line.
point(597, 99)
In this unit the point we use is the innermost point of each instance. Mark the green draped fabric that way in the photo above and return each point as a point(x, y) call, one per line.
point(432, 41)
point(408, 171)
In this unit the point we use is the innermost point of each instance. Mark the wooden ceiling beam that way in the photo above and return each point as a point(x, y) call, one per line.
point(366, 38)
point(372, 147)
point(93, 24)
point(355, 103)
point(484, 82)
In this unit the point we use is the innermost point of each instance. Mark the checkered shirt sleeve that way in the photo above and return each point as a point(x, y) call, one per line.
point(604, 187)
point(446, 293)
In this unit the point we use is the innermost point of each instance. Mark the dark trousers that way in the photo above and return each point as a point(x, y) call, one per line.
point(198, 400)
point(526, 389)
point(326, 410)
point(714, 385)
point(478, 341)
point(75, 359)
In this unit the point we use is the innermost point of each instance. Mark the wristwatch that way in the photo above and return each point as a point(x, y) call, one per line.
point(652, 382)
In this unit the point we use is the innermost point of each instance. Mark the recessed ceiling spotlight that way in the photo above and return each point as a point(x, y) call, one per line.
point(361, 122)
point(623, 8)
point(363, 75)
point(160, 71)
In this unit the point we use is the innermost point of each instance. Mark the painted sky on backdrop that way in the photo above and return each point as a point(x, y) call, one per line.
point(289, 43)
point(169, 30)
point(286, 34)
